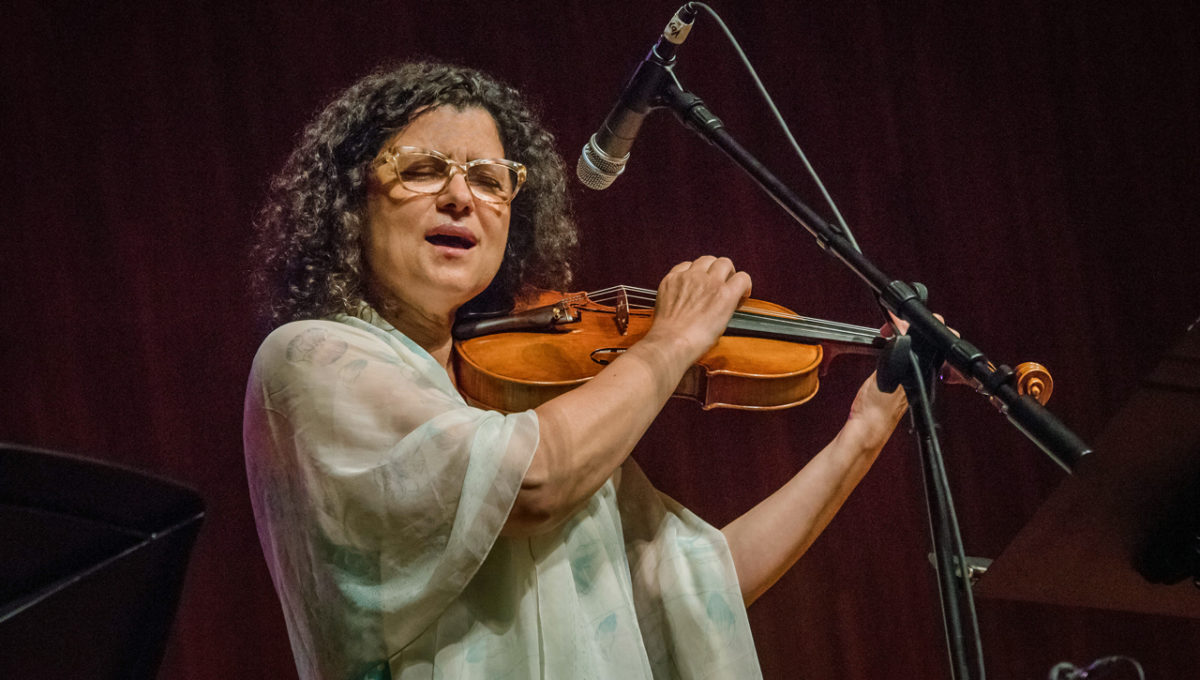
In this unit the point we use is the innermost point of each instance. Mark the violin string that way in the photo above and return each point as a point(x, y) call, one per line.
point(643, 298)
point(817, 326)
point(637, 301)
point(793, 321)
point(798, 321)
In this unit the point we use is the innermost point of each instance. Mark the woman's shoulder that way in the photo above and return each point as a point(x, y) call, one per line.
point(343, 352)
point(320, 341)
point(313, 346)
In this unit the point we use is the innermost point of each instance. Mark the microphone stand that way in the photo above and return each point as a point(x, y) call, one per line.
point(912, 361)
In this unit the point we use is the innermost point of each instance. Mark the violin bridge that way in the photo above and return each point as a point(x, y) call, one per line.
point(622, 316)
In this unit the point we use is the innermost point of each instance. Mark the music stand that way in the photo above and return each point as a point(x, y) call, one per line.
point(93, 558)
point(1133, 501)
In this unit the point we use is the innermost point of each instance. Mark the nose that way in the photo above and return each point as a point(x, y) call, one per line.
point(456, 196)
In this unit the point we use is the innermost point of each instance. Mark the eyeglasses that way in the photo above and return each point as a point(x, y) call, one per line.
point(424, 171)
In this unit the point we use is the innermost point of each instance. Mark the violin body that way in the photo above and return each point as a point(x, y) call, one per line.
point(514, 371)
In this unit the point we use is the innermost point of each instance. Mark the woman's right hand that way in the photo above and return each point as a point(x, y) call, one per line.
point(695, 302)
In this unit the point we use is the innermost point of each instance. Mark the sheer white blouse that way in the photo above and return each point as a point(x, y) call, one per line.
point(380, 495)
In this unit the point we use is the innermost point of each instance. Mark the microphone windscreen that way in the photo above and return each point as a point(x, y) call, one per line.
point(596, 169)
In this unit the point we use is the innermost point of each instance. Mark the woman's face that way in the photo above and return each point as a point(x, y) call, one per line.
point(431, 253)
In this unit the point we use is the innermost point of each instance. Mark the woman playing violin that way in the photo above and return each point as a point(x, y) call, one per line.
point(411, 535)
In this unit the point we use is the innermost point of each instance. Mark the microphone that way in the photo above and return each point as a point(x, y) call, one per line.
point(604, 156)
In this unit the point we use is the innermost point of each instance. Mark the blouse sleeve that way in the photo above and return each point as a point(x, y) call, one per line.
point(689, 603)
point(378, 491)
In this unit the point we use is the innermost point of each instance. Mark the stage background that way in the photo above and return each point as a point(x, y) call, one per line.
point(1035, 164)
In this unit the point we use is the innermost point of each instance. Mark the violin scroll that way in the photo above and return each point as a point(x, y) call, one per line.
point(1034, 379)
point(1028, 378)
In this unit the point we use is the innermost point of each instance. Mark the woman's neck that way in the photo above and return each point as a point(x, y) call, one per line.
point(429, 329)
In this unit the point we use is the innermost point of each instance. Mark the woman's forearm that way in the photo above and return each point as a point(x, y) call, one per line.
point(768, 539)
point(588, 432)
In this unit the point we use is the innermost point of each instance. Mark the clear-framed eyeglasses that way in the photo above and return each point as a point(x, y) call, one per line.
point(425, 171)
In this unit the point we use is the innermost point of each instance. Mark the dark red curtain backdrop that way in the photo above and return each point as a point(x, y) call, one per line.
point(1035, 164)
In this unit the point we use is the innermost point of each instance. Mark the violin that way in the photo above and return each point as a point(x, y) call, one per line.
point(769, 357)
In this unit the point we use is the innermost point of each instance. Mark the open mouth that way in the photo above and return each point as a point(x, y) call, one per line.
point(450, 241)
point(450, 236)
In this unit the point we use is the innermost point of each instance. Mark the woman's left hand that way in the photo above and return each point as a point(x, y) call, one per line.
point(874, 413)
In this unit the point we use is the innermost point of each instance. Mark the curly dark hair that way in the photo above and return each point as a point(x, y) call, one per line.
point(308, 259)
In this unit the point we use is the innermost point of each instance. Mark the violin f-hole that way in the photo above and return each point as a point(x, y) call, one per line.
point(606, 355)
